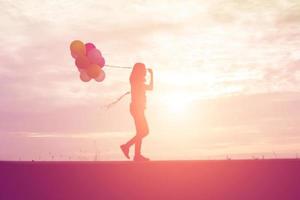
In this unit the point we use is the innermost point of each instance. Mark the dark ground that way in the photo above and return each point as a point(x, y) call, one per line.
point(206, 180)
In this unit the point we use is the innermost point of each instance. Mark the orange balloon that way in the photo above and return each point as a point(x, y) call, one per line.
point(77, 48)
point(101, 76)
point(82, 62)
point(93, 71)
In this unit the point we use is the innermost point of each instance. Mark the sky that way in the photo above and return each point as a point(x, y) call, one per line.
point(226, 78)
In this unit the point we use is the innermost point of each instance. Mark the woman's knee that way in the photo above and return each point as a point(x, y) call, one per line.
point(146, 133)
point(143, 133)
point(146, 129)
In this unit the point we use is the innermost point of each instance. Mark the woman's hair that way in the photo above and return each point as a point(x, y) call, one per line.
point(138, 73)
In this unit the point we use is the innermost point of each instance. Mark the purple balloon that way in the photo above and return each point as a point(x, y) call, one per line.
point(89, 46)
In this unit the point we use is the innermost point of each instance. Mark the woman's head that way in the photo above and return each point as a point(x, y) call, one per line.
point(138, 73)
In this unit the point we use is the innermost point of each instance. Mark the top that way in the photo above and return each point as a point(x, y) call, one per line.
point(138, 95)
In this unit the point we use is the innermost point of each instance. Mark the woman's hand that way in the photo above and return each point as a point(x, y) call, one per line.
point(150, 86)
point(150, 70)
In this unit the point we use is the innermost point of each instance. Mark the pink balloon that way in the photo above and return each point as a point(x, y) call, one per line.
point(101, 62)
point(94, 56)
point(101, 76)
point(81, 70)
point(84, 77)
point(89, 46)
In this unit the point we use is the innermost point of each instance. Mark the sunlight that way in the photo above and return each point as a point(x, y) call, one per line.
point(177, 106)
point(176, 102)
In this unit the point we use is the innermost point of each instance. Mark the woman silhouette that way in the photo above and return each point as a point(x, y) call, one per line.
point(137, 108)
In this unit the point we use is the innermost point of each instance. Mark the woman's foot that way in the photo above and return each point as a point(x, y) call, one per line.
point(125, 150)
point(140, 158)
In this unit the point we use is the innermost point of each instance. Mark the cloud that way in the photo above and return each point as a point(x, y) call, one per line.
point(284, 75)
point(250, 112)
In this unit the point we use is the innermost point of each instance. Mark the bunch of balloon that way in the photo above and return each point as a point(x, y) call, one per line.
point(88, 60)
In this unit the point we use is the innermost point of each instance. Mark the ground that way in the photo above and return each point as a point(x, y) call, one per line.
point(223, 179)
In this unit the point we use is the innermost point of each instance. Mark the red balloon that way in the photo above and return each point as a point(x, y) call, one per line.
point(101, 76)
point(89, 46)
point(93, 70)
point(82, 62)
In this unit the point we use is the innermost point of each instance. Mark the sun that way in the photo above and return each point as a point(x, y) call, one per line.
point(176, 103)
point(177, 107)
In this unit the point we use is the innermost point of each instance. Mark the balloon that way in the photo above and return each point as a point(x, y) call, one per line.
point(93, 70)
point(95, 56)
point(89, 46)
point(77, 48)
point(81, 70)
point(101, 62)
point(82, 62)
point(84, 77)
point(101, 76)
point(88, 60)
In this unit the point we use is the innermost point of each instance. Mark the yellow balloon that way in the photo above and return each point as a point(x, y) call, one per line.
point(77, 48)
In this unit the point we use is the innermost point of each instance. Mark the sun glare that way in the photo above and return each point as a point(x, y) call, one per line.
point(177, 106)
point(176, 103)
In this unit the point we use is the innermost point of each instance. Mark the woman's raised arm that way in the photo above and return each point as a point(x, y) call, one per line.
point(150, 85)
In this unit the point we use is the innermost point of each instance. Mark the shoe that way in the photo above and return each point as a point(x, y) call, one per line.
point(125, 150)
point(140, 158)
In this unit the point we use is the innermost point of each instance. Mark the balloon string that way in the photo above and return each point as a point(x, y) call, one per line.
point(116, 101)
point(116, 66)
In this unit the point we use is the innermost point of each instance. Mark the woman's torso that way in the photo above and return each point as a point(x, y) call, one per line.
point(138, 96)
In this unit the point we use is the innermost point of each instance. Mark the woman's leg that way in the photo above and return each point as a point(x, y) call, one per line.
point(137, 139)
point(125, 147)
point(137, 116)
point(138, 146)
point(141, 131)
point(131, 142)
